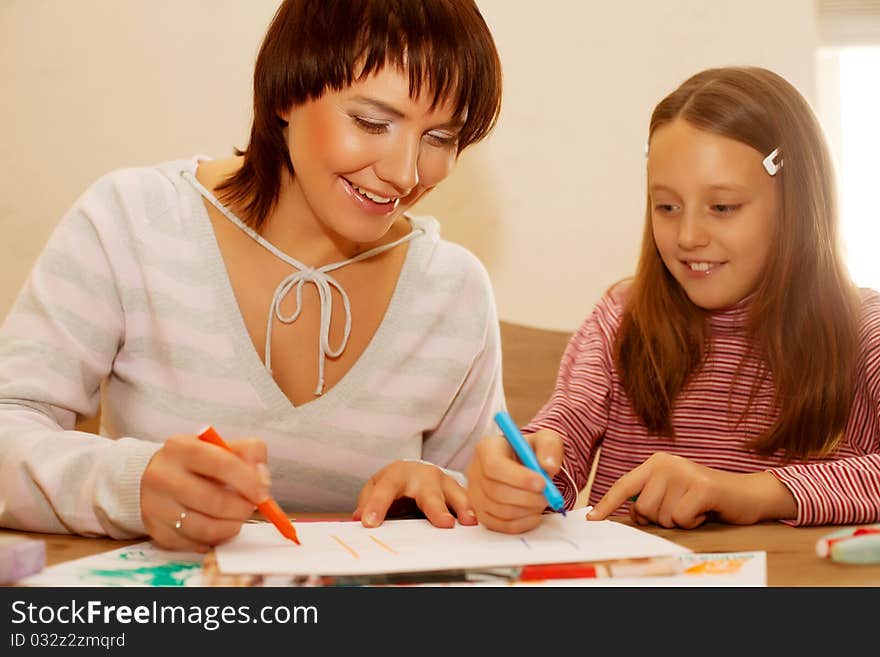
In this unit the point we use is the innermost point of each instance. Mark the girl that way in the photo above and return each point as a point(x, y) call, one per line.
point(283, 295)
point(736, 376)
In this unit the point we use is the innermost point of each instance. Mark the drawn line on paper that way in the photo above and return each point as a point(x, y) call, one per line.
point(383, 545)
point(562, 538)
point(345, 545)
point(566, 539)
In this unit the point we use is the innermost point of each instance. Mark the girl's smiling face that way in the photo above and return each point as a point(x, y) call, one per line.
point(714, 209)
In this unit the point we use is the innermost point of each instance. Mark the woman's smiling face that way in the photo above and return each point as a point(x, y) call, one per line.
point(365, 154)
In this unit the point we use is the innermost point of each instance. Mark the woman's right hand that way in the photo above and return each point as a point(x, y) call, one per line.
point(195, 495)
point(507, 496)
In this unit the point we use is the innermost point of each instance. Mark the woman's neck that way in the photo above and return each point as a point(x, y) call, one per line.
point(291, 226)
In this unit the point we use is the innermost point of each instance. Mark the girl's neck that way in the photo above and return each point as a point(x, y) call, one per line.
point(733, 317)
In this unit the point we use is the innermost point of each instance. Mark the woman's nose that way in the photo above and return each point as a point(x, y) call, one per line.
point(399, 165)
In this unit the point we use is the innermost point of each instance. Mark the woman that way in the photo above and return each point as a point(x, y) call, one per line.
point(283, 295)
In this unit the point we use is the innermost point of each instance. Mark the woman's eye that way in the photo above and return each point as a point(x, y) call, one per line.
point(373, 127)
point(725, 208)
point(664, 208)
point(442, 139)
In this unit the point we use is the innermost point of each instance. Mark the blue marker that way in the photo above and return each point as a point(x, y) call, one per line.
point(527, 458)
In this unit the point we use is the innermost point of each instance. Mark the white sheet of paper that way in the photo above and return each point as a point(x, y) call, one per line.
point(349, 548)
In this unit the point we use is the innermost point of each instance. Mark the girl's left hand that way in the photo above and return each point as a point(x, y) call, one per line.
point(676, 492)
point(433, 491)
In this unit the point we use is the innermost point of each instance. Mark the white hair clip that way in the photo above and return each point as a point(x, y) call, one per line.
point(769, 163)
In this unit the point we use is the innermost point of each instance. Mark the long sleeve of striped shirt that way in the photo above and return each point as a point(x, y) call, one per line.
point(713, 417)
point(129, 305)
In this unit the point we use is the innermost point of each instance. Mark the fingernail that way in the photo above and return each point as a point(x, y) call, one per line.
point(538, 485)
point(550, 462)
point(591, 515)
point(371, 519)
point(470, 513)
point(264, 474)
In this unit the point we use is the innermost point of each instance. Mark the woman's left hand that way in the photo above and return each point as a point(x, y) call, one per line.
point(676, 492)
point(432, 490)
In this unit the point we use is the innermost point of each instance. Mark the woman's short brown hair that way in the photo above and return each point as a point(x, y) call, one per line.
point(315, 45)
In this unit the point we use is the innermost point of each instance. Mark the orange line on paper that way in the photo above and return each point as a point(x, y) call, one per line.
point(387, 547)
point(345, 545)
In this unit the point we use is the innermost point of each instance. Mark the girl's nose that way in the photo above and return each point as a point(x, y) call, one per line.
point(691, 231)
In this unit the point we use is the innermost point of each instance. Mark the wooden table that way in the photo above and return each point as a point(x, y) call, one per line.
point(791, 556)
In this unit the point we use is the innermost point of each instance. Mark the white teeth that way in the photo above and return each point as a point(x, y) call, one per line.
point(373, 197)
point(699, 266)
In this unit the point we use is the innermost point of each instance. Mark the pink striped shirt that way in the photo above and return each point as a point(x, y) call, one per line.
point(589, 407)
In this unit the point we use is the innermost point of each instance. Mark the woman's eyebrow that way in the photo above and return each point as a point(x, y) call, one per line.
point(382, 106)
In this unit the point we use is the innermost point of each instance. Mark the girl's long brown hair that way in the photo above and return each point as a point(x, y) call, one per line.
point(314, 45)
point(803, 320)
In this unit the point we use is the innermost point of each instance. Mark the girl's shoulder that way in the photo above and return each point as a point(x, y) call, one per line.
point(608, 311)
point(870, 297)
point(613, 301)
point(869, 325)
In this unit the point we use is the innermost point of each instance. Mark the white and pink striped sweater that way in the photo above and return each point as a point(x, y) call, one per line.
point(130, 304)
point(589, 405)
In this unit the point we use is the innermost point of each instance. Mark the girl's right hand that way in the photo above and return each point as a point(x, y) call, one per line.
point(507, 496)
point(195, 495)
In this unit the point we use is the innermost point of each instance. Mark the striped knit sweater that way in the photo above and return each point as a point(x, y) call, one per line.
point(130, 305)
point(589, 407)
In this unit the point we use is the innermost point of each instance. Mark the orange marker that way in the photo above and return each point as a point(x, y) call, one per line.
point(270, 507)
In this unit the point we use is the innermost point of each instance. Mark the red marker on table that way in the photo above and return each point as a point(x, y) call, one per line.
point(269, 507)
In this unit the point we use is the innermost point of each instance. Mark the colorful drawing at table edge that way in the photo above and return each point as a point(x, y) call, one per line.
point(632, 567)
point(859, 544)
point(268, 507)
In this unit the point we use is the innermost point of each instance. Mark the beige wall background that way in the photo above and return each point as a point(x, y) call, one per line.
point(552, 202)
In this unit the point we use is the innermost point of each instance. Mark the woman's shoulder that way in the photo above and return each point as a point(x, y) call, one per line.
point(141, 192)
point(442, 259)
point(132, 179)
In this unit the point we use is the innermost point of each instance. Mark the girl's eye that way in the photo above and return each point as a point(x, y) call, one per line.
point(725, 208)
point(373, 127)
point(664, 208)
